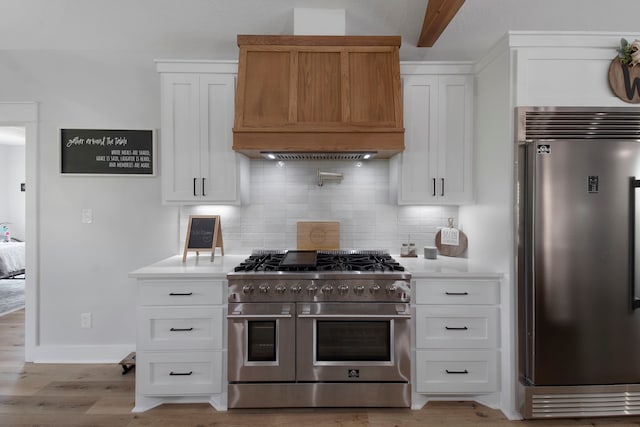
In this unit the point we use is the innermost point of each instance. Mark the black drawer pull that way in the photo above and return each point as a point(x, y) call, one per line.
point(181, 329)
point(180, 373)
point(178, 294)
point(451, 328)
point(456, 293)
point(456, 372)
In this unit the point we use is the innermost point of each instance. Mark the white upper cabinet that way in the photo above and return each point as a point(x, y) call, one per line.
point(436, 165)
point(198, 163)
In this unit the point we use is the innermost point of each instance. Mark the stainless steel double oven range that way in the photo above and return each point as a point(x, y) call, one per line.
point(319, 329)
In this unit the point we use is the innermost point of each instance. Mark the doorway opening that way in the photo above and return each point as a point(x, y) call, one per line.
point(12, 218)
point(24, 115)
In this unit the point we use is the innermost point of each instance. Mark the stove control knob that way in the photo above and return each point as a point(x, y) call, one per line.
point(374, 289)
point(264, 289)
point(296, 289)
point(247, 289)
point(343, 289)
point(326, 290)
point(359, 290)
point(312, 289)
point(391, 289)
point(281, 289)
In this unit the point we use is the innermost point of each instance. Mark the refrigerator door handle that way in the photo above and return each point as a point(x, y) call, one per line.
point(633, 238)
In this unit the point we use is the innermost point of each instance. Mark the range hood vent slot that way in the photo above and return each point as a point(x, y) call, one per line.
point(318, 156)
point(318, 94)
point(549, 123)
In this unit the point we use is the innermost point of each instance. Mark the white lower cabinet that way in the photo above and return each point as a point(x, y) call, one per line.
point(179, 373)
point(459, 371)
point(180, 344)
point(457, 339)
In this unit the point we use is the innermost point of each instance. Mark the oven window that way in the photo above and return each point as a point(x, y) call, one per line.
point(261, 346)
point(338, 340)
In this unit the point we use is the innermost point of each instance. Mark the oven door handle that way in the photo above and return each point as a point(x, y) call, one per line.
point(354, 316)
point(259, 316)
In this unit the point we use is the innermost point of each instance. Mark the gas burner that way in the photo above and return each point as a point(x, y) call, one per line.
point(370, 261)
point(357, 262)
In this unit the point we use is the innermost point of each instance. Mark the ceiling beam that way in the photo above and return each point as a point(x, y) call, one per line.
point(438, 15)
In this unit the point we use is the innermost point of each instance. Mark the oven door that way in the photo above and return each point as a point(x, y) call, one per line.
point(353, 342)
point(261, 342)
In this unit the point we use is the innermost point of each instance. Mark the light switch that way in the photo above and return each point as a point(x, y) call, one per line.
point(87, 216)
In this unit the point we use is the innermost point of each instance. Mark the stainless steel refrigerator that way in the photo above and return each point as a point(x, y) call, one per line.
point(578, 209)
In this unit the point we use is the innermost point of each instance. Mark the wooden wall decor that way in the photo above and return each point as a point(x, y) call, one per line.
point(624, 80)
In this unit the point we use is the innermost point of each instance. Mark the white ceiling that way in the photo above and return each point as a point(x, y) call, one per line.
point(207, 29)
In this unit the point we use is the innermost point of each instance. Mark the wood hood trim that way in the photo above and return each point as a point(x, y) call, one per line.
point(307, 94)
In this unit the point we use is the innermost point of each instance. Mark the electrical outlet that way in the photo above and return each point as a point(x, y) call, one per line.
point(85, 320)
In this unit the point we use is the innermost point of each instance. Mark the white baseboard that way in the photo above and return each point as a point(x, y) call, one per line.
point(81, 353)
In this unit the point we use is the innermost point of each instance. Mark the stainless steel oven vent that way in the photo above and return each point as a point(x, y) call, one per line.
point(319, 156)
point(549, 123)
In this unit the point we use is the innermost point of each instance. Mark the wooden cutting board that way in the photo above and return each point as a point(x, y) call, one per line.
point(318, 235)
point(452, 250)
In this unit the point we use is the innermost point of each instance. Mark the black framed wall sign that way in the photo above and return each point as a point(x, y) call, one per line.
point(108, 151)
point(203, 234)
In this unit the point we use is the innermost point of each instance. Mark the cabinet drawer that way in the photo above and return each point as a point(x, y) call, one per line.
point(181, 292)
point(179, 373)
point(180, 328)
point(457, 291)
point(456, 371)
point(456, 327)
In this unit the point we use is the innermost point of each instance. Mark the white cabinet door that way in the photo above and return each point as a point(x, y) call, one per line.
point(198, 163)
point(417, 181)
point(218, 163)
point(167, 328)
point(458, 292)
point(179, 374)
point(179, 139)
point(457, 371)
point(435, 167)
point(455, 139)
point(439, 327)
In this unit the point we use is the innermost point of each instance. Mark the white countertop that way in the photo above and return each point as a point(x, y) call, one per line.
point(195, 266)
point(201, 266)
point(444, 266)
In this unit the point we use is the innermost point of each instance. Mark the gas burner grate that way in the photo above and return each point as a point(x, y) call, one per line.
point(343, 260)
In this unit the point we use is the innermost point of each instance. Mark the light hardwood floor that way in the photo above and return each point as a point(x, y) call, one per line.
point(99, 395)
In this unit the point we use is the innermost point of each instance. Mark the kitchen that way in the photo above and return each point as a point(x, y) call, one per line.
point(97, 287)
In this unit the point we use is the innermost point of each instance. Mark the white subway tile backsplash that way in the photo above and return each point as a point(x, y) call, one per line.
point(283, 195)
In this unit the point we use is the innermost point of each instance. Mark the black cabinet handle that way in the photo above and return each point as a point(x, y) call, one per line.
point(179, 294)
point(181, 329)
point(456, 372)
point(456, 293)
point(180, 373)
point(434, 187)
point(451, 328)
point(194, 187)
point(203, 187)
point(442, 187)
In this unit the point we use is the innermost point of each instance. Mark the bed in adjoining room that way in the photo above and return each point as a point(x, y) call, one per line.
point(12, 259)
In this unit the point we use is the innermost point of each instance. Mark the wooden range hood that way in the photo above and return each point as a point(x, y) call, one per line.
point(306, 96)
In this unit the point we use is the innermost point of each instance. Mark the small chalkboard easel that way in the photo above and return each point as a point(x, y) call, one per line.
point(203, 233)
